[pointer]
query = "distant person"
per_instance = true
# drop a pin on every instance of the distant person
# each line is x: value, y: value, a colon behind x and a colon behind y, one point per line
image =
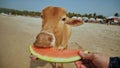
x: 95, y: 60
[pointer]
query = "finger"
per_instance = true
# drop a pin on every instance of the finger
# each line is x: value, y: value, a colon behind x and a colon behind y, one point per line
x: 88, y: 56
x: 79, y: 64
x: 83, y: 66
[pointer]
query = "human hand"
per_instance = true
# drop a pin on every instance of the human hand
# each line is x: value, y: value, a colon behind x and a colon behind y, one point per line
x: 92, y: 60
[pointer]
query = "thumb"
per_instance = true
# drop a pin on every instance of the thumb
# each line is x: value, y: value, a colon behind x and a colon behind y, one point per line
x: 84, y: 55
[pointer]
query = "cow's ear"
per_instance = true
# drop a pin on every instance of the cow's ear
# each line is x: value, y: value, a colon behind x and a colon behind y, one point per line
x: 75, y: 22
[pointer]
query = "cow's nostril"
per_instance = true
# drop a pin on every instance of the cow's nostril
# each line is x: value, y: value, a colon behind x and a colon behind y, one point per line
x: 50, y: 39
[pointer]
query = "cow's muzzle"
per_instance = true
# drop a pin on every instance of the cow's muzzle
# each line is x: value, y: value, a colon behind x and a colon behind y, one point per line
x: 45, y: 39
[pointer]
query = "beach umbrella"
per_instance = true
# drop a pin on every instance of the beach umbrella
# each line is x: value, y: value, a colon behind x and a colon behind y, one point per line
x: 85, y: 18
x: 79, y: 18
x: 110, y: 17
x: 74, y: 17
x: 92, y: 19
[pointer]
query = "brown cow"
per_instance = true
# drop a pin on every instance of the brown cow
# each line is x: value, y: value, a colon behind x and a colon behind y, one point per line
x: 56, y: 28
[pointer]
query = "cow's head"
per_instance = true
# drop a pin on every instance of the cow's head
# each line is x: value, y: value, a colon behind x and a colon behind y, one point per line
x: 53, y: 21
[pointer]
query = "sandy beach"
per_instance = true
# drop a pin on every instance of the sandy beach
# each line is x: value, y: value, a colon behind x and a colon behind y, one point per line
x: 18, y: 32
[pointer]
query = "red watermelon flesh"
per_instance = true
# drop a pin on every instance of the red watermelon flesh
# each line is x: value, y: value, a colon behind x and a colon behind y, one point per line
x: 55, y: 52
x: 55, y: 55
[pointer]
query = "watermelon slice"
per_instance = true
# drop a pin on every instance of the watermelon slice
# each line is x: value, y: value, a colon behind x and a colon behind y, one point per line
x: 55, y: 55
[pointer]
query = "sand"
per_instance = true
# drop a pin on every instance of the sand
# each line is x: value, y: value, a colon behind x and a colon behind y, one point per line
x: 18, y: 32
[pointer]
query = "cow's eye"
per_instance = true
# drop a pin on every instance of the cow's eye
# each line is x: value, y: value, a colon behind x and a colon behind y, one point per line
x: 63, y: 19
x: 41, y: 16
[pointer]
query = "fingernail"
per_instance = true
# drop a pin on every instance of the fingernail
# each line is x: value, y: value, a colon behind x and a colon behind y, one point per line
x: 86, y: 52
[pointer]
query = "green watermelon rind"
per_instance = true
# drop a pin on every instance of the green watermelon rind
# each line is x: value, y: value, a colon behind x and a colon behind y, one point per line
x: 53, y: 59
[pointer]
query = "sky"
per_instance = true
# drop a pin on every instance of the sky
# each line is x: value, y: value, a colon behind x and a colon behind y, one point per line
x: 100, y: 7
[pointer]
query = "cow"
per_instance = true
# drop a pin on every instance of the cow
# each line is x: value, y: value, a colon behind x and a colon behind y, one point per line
x: 56, y: 28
